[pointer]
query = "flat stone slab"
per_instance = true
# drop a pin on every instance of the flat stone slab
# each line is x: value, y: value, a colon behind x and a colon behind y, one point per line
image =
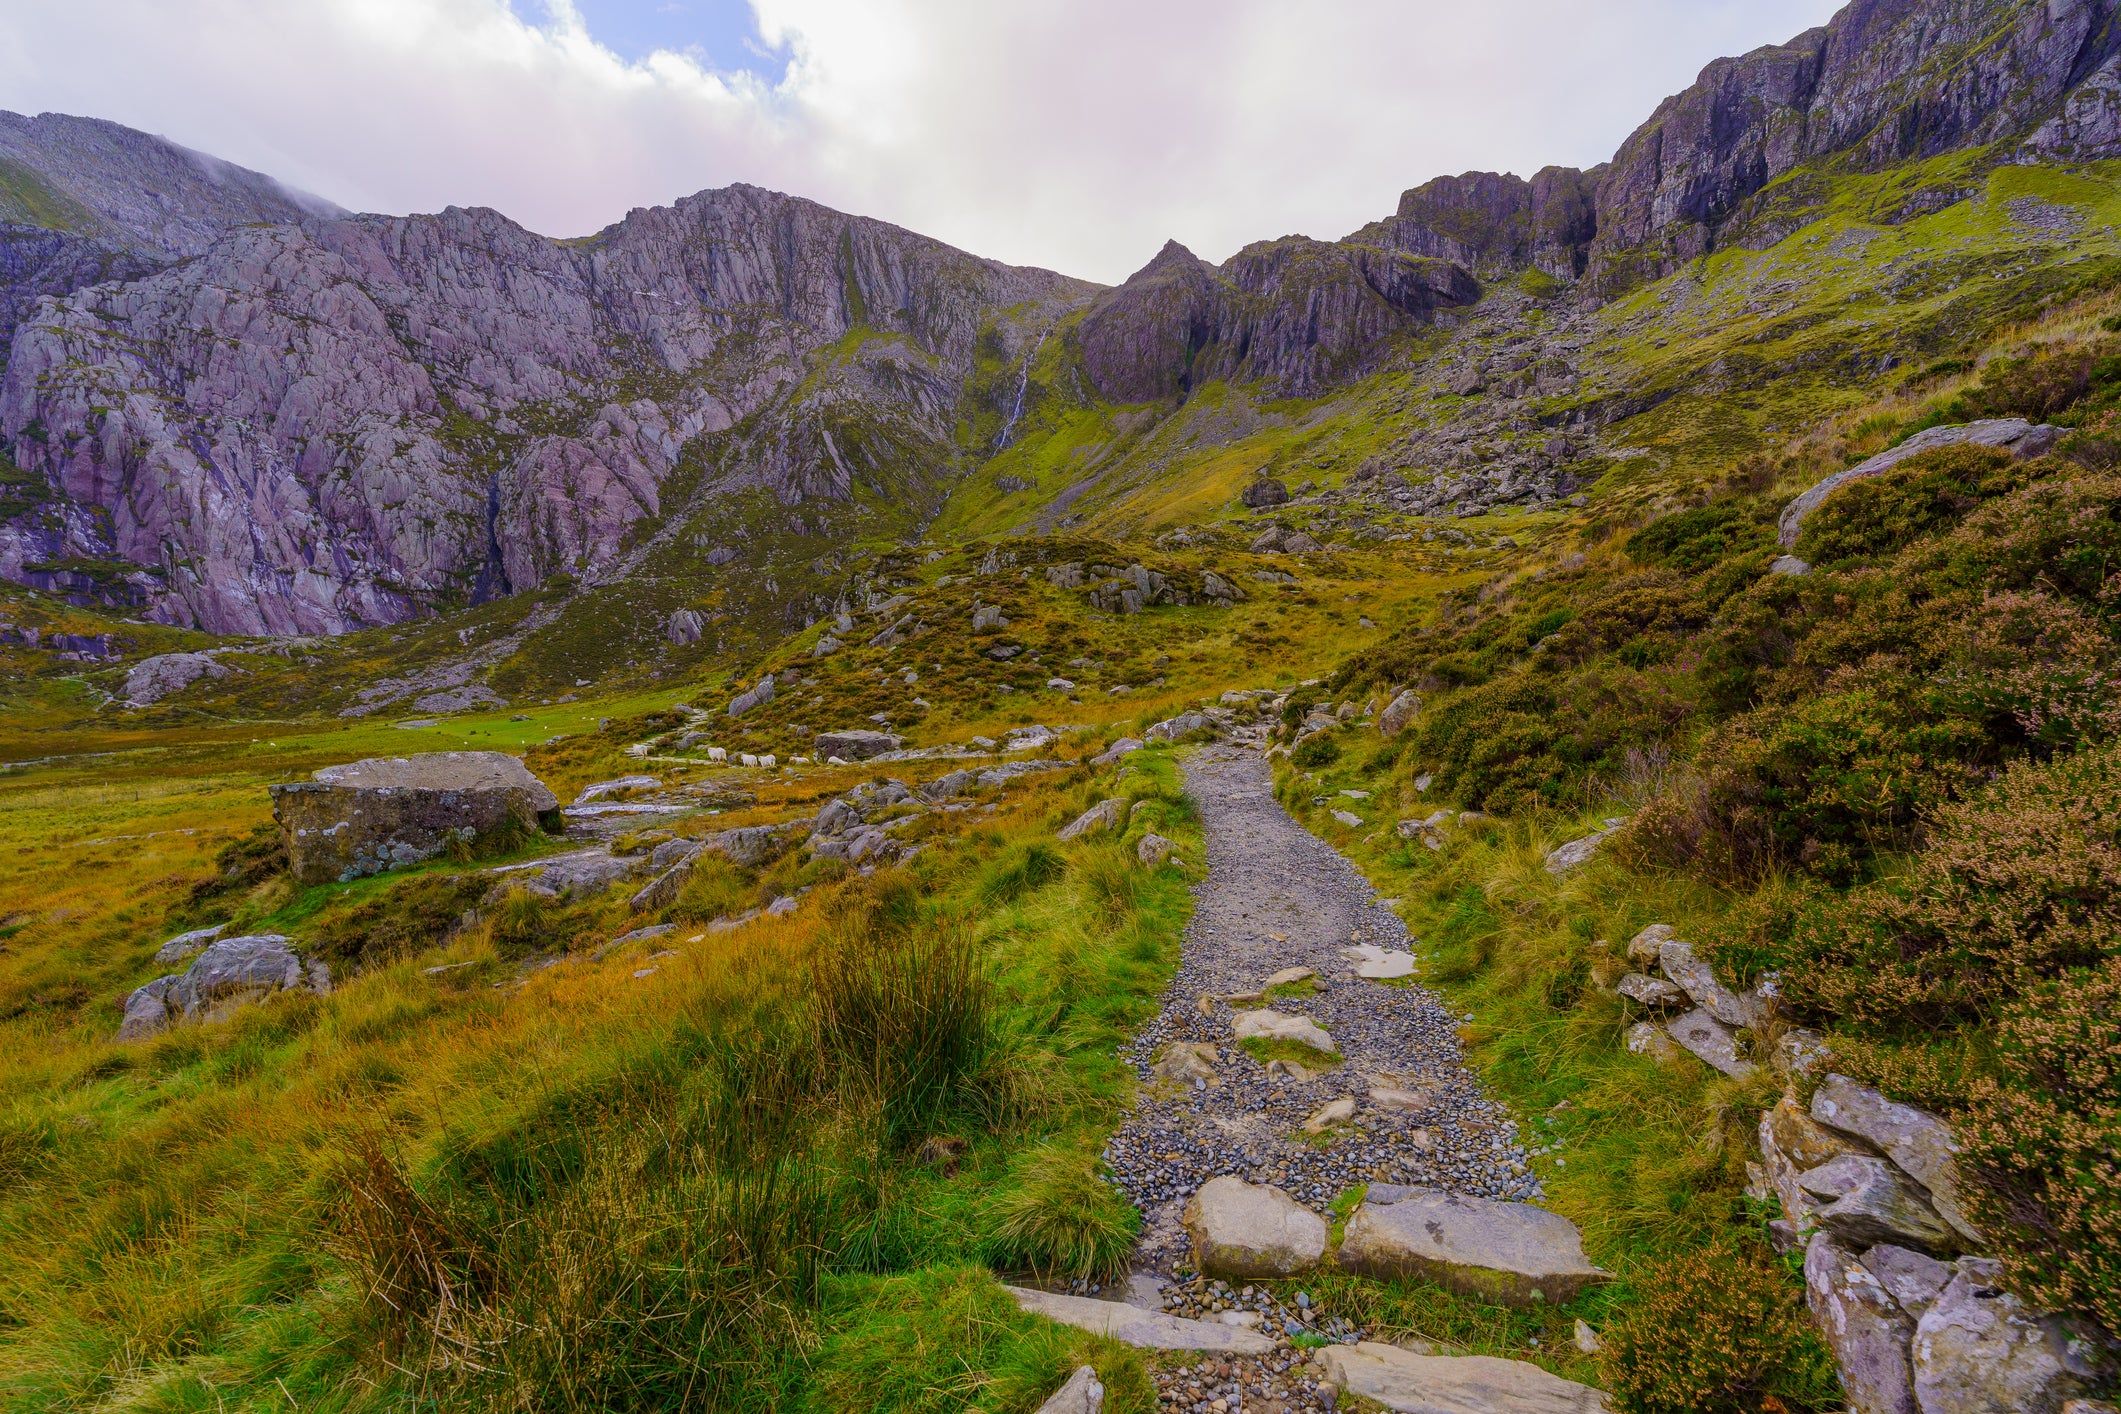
x: 1713, y: 1043
x: 1144, y: 1330
x: 1465, y: 1384
x: 1270, y: 1025
x: 1242, y: 1230
x: 1500, y: 1252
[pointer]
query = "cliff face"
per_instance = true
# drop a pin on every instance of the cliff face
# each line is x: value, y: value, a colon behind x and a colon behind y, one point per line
x: 318, y: 426
x: 1297, y: 314
x: 1886, y: 81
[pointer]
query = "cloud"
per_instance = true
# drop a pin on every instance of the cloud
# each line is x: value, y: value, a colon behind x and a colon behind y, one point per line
x: 1076, y: 134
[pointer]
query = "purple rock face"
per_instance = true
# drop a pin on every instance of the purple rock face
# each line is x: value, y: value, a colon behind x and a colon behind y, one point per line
x: 315, y: 427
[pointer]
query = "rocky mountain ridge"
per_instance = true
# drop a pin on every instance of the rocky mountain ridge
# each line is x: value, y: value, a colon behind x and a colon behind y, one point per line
x: 314, y: 422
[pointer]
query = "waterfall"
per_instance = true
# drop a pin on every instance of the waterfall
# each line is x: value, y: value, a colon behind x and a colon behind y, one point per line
x: 1023, y: 382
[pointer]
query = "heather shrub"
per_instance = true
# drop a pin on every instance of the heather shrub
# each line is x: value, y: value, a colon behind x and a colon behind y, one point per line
x: 2020, y: 884
x: 1927, y: 492
x: 2043, y: 1140
x: 1716, y: 1331
x: 1692, y: 541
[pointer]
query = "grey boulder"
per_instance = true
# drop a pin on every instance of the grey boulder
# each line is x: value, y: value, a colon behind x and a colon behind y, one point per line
x: 1863, y: 1325
x: 1243, y: 1230
x: 1171, y: 729
x: 166, y: 674
x: 1144, y: 1330
x: 1864, y: 1200
x: 1398, y: 712
x: 368, y: 816
x: 1082, y: 1394
x: 857, y: 745
x: 1499, y: 1252
x: 1916, y: 1140
x: 2014, y: 433
x: 1712, y: 1042
x: 1978, y: 1350
x: 231, y: 973
x: 1103, y: 816
x: 185, y: 944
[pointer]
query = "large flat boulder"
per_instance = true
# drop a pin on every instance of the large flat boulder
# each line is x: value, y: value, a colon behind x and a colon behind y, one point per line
x: 1266, y: 1024
x: 1144, y: 1330
x: 1500, y: 1252
x: 1979, y: 1350
x: 855, y: 745
x: 1242, y: 1230
x: 1465, y: 1384
x: 1863, y: 1325
x: 229, y: 974
x: 1864, y: 1200
x: 368, y: 816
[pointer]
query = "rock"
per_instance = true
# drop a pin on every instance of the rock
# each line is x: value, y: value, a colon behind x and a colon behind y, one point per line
x: 1464, y: 1384
x: 1186, y: 1062
x: 1647, y: 1038
x: 1393, y: 1099
x: 988, y: 619
x: 1387, y: 966
x: 1298, y: 543
x: 1865, y: 1200
x: 1575, y: 853
x: 1082, y: 1394
x: 1910, y: 1278
x: 166, y: 674
x: 758, y: 696
x: 1173, y: 728
x: 1144, y: 1330
x: 1265, y: 491
x: 1916, y: 1140
x: 1154, y: 849
x: 1332, y: 1112
x: 1713, y: 1043
x: 1646, y: 948
x: 1267, y: 542
x: 1801, y: 1051
x: 826, y: 646
x: 1863, y: 1326
x: 1242, y: 1230
x: 369, y: 816
x: 1270, y: 1025
x: 185, y: 944
x: 1978, y: 1350
x: 858, y: 745
x: 601, y: 789
x: 1698, y: 980
x: 1103, y: 816
x: 1398, y: 712
x: 1650, y: 991
x: 1348, y: 818
x: 1585, y: 1339
x: 231, y: 973
x: 1124, y: 746
x: 1288, y: 977
x: 1499, y: 1252
x: 584, y: 873
x: 1997, y: 432
x: 1789, y: 565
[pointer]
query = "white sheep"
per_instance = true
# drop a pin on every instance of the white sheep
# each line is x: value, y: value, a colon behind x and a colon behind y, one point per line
x: 769, y: 761
x: 748, y: 759
x: 718, y: 756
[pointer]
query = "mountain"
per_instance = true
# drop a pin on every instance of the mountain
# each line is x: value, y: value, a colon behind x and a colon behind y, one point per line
x: 313, y: 422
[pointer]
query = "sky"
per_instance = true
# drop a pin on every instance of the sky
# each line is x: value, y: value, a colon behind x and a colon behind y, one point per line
x: 1073, y: 134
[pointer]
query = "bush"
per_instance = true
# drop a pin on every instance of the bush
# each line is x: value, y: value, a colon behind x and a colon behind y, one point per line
x: 2020, y: 885
x: 2043, y: 1142
x: 1926, y: 493
x: 416, y: 914
x: 1716, y: 1331
x: 1318, y: 751
x: 243, y: 864
x: 1692, y: 541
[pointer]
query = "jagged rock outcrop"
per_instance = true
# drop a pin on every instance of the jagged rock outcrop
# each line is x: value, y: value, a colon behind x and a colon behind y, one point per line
x: 318, y: 426
x: 132, y: 190
x: 1884, y: 81
x: 1297, y: 313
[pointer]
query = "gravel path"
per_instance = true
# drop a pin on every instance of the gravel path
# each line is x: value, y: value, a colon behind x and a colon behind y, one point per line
x: 1275, y: 897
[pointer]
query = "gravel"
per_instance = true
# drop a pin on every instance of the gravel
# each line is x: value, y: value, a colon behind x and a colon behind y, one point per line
x: 1269, y: 876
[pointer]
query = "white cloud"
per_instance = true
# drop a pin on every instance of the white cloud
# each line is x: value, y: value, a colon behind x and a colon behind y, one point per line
x: 1077, y: 134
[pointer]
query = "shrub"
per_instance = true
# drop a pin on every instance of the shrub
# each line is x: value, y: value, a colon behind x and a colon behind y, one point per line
x: 1692, y: 541
x: 2043, y: 1142
x: 2020, y: 885
x: 1057, y: 1218
x: 1716, y: 1331
x: 417, y: 913
x: 1318, y: 751
x: 244, y: 863
x: 1929, y: 491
